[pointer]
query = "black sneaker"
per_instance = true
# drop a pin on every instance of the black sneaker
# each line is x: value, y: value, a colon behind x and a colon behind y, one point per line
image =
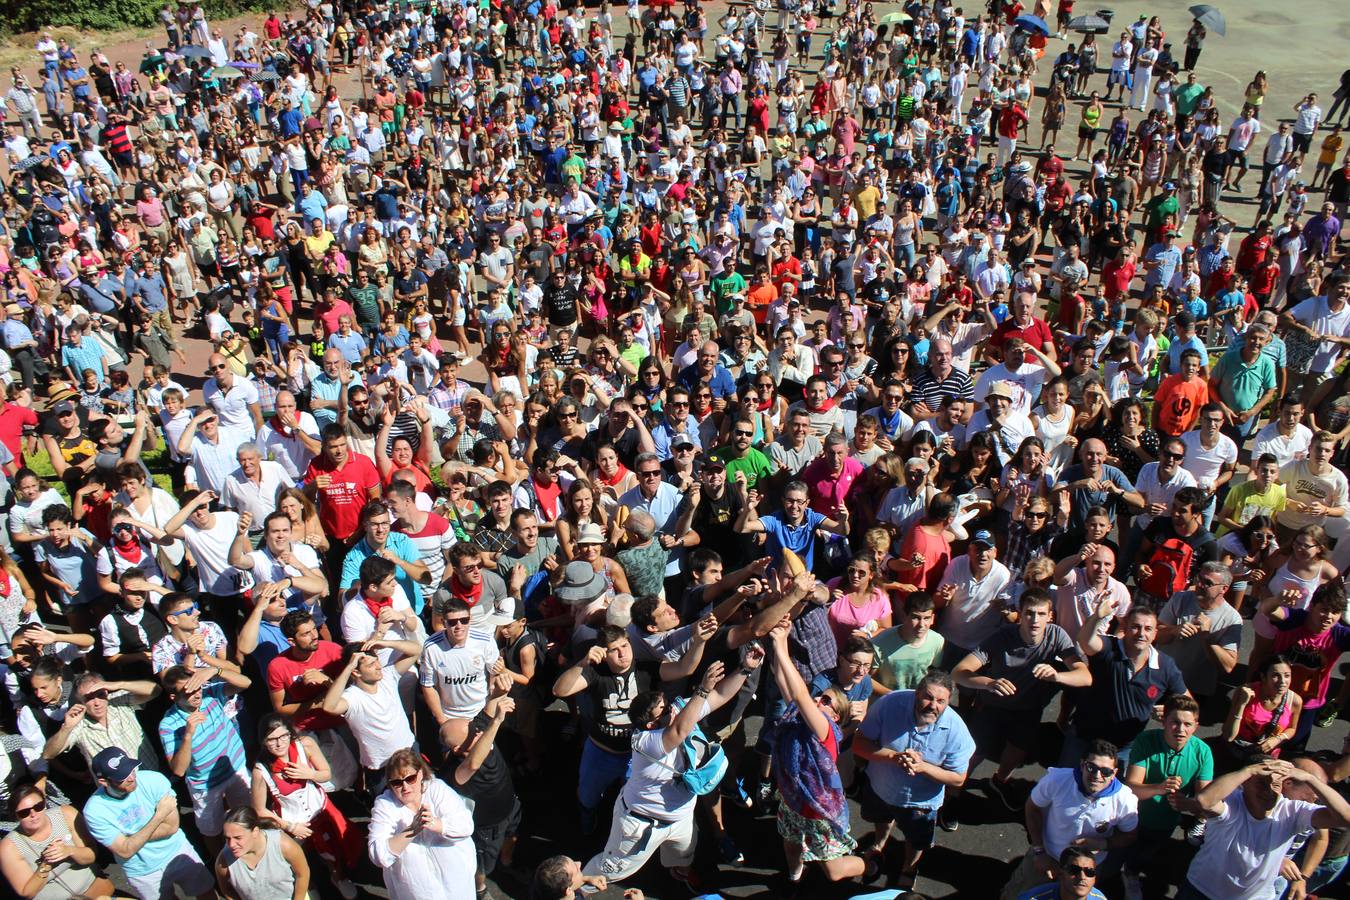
x: 947, y: 819
x: 1005, y: 793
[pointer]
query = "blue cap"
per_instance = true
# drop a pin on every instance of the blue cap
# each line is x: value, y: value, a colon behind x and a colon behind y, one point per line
x: 982, y: 537
x: 114, y: 765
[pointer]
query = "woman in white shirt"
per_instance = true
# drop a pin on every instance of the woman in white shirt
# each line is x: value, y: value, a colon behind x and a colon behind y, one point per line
x: 421, y: 834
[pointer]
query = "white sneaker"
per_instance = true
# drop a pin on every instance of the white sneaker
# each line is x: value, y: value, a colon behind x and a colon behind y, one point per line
x: 795, y: 874
x: 1195, y: 835
x: 1133, y: 889
x: 347, y: 889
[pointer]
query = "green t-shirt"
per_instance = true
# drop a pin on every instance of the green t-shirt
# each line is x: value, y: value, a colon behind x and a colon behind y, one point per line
x: 1186, y: 97
x: 723, y: 286
x: 1247, y: 501
x: 901, y: 666
x: 754, y: 464
x: 1195, y: 762
x: 1240, y: 384
x: 365, y: 303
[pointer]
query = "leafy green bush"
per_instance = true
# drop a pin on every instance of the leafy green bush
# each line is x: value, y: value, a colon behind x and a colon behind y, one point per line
x: 101, y: 15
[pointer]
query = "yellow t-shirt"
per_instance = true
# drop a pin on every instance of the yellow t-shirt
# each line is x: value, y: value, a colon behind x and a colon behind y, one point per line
x: 1331, y: 145
x: 1246, y: 501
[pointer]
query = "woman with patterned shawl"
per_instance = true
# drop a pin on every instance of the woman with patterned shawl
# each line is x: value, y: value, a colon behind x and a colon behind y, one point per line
x: 813, y: 812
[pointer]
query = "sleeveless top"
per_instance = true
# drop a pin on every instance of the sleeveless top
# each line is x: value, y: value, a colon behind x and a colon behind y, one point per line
x: 296, y: 806
x: 273, y: 879
x: 1256, y: 721
x: 68, y: 878
x: 1280, y: 582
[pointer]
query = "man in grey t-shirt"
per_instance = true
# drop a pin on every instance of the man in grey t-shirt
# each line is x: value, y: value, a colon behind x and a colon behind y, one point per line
x: 1201, y: 631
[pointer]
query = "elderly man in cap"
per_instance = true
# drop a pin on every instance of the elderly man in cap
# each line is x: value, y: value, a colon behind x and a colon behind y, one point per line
x: 19, y: 341
x: 135, y: 815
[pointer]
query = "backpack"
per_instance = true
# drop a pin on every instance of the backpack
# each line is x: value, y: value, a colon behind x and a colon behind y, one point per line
x: 1171, y: 568
x: 699, y: 777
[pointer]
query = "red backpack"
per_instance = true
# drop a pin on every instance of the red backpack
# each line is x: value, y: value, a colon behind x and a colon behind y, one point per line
x: 1170, y: 568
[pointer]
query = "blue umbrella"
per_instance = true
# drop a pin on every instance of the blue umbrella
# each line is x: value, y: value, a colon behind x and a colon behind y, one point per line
x: 1032, y: 23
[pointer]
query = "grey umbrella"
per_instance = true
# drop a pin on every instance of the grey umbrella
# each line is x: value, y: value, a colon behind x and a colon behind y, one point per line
x: 192, y: 51
x: 264, y: 75
x: 32, y: 162
x: 1089, y: 24
x: 1210, y: 17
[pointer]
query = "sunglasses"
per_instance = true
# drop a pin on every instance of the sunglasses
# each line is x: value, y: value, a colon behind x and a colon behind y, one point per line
x: 29, y: 810
x: 651, y: 473
x: 1099, y: 771
x: 457, y: 621
x: 1174, y: 455
x: 1030, y: 514
x: 678, y: 403
x: 744, y: 433
x: 1089, y: 871
x: 186, y: 611
x: 100, y: 694
x: 405, y: 780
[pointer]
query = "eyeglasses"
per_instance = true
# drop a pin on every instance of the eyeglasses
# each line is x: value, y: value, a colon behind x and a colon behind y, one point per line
x: 1089, y: 871
x: 101, y: 694
x: 651, y: 473
x: 406, y: 780
x: 678, y: 403
x: 29, y: 810
x: 1036, y: 514
x: 457, y: 622
x: 1171, y: 455
x: 1099, y: 771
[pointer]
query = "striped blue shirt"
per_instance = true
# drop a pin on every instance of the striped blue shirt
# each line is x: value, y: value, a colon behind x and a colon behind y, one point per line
x: 217, y: 751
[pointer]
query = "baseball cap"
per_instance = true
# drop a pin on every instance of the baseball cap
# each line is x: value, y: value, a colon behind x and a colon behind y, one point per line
x: 502, y: 611
x: 982, y: 539
x: 682, y: 440
x: 1001, y: 389
x: 64, y: 406
x: 114, y: 765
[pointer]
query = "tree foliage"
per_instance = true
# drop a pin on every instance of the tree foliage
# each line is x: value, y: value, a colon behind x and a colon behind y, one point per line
x: 101, y: 15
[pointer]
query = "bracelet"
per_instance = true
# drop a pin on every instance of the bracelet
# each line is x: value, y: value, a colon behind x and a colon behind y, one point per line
x: 702, y: 692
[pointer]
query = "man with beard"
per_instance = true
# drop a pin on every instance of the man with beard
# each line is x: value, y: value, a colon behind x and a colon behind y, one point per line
x: 135, y: 815
x: 713, y: 510
x: 741, y: 456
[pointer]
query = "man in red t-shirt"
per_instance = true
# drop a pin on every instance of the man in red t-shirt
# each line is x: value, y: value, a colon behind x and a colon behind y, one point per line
x: 1117, y: 274
x: 341, y: 483
x: 298, y: 679
x: 1010, y: 123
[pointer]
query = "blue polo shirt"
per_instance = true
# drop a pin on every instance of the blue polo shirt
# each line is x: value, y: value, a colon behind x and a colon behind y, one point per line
x: 402, y: 546
x: 1120, y: 701
x: 800, y: 539
x: 946, y: 743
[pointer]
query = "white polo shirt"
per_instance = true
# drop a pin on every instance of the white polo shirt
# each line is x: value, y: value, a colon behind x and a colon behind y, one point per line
x: 1070, y: 814
x: 285, y: 447
x: 244, y: 495
x: 232, y: 406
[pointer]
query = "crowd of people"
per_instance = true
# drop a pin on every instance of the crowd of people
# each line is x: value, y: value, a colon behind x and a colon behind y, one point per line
x: 572, y: 368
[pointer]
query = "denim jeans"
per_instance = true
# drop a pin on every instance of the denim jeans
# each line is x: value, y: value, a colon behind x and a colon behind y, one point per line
x: 600, y: 770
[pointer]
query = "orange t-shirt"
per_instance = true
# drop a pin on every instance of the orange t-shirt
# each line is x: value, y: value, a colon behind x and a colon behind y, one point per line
x: 758, y: 299
x: 1178, y: 403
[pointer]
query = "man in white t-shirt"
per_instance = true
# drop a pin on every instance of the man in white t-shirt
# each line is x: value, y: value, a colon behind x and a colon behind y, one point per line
x: 365, y: 694
x: 655, y: 809
x: 1286, y: 438
x: 1315, y: 489
x: 1253, y: 826
x: 1002, y: 421
x: 1085, y: 806
x: 210, y: 537
x: 1158, y: 483
x: 1211, y: 455
x: 1025, y: 377
x: 279, y: 558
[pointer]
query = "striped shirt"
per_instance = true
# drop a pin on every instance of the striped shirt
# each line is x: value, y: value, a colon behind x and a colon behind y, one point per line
x: 217, y: 751
x: 929, y: 391
x: 431, y: 542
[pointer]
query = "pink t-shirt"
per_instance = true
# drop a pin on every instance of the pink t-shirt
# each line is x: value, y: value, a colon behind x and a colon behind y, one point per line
x: 845, y: 618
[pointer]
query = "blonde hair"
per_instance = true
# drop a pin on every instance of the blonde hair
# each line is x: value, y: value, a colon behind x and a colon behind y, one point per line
x: 1038, y: 571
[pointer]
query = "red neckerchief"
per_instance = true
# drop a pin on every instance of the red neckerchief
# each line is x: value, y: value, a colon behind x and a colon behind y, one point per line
x: 132, y: 553
x: 278, y: 427
x: 470, y: 594
x: 377, y: 606
x: 618, y: 476
x: 278, y: 768
x: 824, y: 407
x: 548, y: 511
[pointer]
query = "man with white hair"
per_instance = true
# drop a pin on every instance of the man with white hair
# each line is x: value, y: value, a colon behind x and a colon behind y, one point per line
x: 253, y: 487
x: 290, y: 437
x: 940, y: 379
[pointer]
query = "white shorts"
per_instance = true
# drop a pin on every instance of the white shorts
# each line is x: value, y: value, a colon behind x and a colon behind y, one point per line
x: 186, y: 870
x: 210, y: 806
